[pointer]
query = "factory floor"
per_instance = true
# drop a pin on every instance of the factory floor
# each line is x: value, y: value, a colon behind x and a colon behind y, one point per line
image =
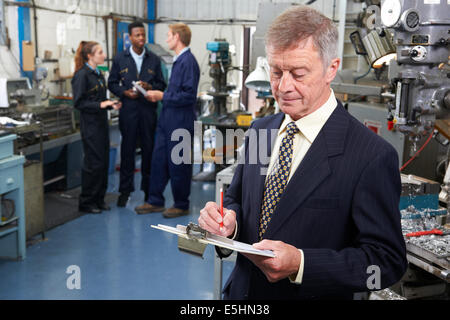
x: 118, y: 254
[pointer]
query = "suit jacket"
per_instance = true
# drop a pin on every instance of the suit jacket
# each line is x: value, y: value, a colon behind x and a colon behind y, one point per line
x: 341, y: 207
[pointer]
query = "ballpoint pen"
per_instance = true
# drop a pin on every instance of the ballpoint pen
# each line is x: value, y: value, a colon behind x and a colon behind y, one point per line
x: 221, y: 207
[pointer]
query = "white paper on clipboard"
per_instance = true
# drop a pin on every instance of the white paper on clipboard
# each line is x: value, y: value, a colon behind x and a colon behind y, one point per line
x: 216, y: 240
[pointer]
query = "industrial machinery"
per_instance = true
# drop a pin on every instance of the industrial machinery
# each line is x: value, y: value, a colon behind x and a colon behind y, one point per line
x: 221, y: 90
x: 412, y: 72
x: 412, y: 85
x: 219, y: 63
x: 407, y: 102
x: 420, y: 73
x: 29, y: 118
x: 216, y: 114
x: 44, y: 133
x: 20, y: 94
x: 421, y: 79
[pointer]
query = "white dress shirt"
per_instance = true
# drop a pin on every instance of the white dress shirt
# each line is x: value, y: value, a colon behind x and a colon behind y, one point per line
x: 309, y: 127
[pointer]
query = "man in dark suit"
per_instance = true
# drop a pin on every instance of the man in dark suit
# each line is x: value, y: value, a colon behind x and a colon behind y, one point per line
x: 327, y: 201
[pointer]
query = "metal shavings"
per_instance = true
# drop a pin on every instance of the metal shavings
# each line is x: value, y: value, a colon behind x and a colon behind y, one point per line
x: 438, y: 245
x: 386, y: 294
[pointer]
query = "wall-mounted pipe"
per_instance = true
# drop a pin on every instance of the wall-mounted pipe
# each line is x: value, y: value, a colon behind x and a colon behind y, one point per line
x: 151, y: 15
x: 36, y: 47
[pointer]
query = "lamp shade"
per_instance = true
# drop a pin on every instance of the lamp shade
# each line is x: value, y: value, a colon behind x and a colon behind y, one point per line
x: 380, y: 49
x: 259, y: 79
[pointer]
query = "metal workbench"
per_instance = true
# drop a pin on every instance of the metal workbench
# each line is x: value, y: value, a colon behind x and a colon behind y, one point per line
x: 438, y: 265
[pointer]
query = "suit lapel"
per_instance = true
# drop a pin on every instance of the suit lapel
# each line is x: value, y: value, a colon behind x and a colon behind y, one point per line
x: 313, y: 169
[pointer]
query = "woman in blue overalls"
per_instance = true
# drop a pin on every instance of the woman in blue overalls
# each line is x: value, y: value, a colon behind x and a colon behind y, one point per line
x: 89, y: 97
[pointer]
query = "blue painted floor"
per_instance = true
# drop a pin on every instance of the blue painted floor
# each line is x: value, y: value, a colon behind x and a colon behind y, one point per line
x: 119, y: 256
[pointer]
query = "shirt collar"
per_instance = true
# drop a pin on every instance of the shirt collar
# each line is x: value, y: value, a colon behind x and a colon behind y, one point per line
x: 90, y: 67
x: 311, y: 124
x: 141, y: 56
x: 181, y: 52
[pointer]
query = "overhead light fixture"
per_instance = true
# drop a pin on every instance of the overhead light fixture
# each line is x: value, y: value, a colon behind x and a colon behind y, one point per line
x: 259, y: 79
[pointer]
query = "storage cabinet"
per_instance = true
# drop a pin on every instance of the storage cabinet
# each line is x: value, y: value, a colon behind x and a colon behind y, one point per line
x: 12, y: 213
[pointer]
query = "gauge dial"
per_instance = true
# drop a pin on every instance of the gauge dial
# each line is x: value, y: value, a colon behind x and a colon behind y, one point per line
x: 390, y: 12
x: 412, y: 19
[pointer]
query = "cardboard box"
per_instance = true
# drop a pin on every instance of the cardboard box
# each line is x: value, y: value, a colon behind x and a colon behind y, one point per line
x: 27, y: 56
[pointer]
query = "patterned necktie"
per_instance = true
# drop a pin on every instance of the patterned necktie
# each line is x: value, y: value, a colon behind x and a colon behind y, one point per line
x: 278, y: 179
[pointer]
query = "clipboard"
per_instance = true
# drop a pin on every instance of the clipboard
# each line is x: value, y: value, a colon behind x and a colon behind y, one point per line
x: 194, y: 234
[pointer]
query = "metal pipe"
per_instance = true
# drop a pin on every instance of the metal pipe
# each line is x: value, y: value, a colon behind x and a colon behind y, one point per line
x: 122, y: 16
x: 36, y: 47
x: 133, y: 18
x: 341, y: 28
x: 105, y: 20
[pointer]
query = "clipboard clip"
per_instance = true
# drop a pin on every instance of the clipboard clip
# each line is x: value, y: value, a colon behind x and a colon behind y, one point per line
x: 194, y: 231
x: 191, y: 245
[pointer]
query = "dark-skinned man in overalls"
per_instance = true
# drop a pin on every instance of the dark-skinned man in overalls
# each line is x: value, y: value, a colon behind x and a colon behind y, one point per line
x: 137, y: 118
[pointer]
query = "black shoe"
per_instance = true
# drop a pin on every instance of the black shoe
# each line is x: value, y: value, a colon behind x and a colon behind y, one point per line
x: 104, y: 207
x: 89, y: 209
x: 123, y: 199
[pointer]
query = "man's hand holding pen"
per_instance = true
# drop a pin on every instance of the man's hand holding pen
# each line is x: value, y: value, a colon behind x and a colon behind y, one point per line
x: 211, y: 219
x: 287, y: 258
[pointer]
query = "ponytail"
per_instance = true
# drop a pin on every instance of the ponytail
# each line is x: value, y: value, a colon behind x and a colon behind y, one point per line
x: 81, y: 56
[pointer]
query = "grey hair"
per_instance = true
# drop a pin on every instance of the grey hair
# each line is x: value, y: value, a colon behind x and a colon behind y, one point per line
x: 299, y: 23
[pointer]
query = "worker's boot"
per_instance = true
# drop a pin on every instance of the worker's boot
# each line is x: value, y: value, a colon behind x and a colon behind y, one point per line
x: 148, y: 208
x: 89, y: 209
x: 103, y: 206
x: 123, y: 199
x: 175, y: 212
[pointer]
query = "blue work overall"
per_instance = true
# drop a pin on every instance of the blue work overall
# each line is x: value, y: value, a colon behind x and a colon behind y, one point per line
x: 178, y: 113
x: 137, y: 118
